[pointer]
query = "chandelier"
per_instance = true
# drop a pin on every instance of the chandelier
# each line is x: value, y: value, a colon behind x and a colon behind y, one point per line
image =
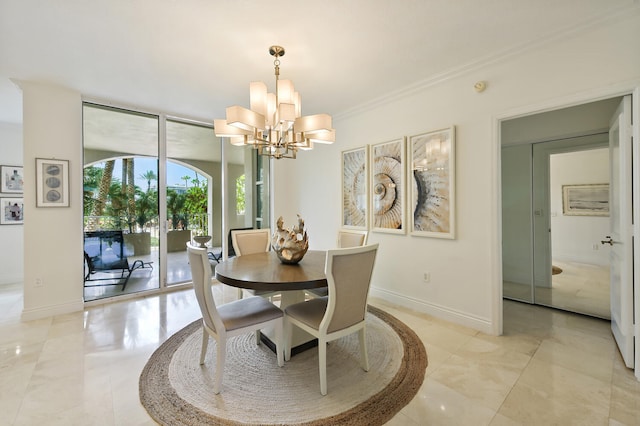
x: 274, y: 125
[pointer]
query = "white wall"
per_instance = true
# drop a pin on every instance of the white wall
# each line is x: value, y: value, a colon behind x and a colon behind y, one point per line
x: 52, y: 126
x: 466, y: 272
x: 573, y: 237
x: 11, y: 236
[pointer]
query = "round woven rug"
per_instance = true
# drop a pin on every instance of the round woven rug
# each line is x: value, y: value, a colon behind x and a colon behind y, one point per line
x: 176, y: 390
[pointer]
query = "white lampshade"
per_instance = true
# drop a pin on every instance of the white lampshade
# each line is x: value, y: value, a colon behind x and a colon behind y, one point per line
x: 271, y: 109
x: 322, y: 137
x: 244, y: 118
x: 258, y: 97
x: 222, y: 129
x: 285, y: 92
x: 313, y: 123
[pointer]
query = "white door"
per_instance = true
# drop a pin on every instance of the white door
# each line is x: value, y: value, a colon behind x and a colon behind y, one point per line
x: 621, y: 228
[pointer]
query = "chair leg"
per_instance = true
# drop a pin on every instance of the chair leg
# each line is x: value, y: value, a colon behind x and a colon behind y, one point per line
x: 322, y: 360
x: 239, y: 293
x: 288, y: 331
x: 205, y: 343
x: 364, y: 356
x: 221, y: 353
x: 258, y: 340
x: 279, y: 340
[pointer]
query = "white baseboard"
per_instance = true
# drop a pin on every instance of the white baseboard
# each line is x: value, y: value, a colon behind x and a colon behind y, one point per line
x: 11, y: 279
x: 49, y: 311
x: 477, y: 323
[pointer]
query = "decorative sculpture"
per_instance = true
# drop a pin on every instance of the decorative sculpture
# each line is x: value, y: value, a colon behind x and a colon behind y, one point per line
x: 290, y: 245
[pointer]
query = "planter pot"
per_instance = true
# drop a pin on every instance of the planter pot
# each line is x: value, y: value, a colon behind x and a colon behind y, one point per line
x: 177, y: 240
x: 138, y: 244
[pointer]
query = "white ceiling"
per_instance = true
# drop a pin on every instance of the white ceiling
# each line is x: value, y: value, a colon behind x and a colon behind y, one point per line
x: 195, y: 57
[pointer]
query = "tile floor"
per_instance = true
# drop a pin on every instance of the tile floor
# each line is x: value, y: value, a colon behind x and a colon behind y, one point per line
x: 550, y: 367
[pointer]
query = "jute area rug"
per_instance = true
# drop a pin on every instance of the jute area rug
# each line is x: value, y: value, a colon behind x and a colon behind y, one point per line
x: 176, y: 390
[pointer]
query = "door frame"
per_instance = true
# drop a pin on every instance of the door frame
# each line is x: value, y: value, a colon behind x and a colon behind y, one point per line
x: 629, y: 88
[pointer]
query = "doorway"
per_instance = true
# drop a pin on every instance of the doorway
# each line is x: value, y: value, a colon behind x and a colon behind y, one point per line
x: 549, y: 257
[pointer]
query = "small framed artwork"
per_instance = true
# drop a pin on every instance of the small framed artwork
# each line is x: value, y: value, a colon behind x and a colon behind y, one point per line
x: 432, y: 183
x: 12, y: 211
x: 11, y: 179
x: 355, y: 188
x: 52, y: 183
x: 387, y: 185
x: 585, y: 200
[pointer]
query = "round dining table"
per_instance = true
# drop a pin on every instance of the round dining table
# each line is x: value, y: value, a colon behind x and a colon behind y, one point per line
x: 264, y: 271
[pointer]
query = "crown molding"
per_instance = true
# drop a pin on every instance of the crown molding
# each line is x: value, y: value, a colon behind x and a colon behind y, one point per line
x: 616, y: 15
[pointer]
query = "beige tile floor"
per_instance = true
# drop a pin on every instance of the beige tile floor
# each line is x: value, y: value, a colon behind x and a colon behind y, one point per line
x: 550, y: 367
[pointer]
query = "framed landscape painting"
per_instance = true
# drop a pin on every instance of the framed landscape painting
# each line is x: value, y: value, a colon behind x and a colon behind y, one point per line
x: 585, y: 200
x: 432, y: 183
x: 387, y: 185
x: 355, y: 188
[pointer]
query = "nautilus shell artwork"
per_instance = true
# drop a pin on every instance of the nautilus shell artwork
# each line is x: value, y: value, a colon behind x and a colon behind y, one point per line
x: 292, y: 244
x: 354, y: 188
x: 432, y: 182
x: 387, y: 185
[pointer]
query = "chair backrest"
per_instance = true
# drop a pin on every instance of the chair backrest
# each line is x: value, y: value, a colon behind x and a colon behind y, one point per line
x: 230, y: 251
x: 201, y: 275
x: 352, y: 238
x: 251, y: 241
x: 348, y: 272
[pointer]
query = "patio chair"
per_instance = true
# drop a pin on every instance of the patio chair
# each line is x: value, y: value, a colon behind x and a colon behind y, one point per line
x: 104, y: 253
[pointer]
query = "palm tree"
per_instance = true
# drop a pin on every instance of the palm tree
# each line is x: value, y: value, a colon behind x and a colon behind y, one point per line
x: 149, y: 175
x: 103, y: 193
x: 186, y: 180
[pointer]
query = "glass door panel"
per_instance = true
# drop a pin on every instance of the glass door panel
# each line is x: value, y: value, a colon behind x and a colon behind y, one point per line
x: 193, y: 194
x: 120, y: 202
x: 247, y: 202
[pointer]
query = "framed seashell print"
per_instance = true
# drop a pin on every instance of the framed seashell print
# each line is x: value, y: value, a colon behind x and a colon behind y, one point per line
x: 355, y: 200
x: 52, y: 183
x: 388, y: 187
x: 432, y: 183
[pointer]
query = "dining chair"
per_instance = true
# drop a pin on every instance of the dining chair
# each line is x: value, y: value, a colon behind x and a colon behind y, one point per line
x: 229, y: 319
x: 346, y: 238
x: 250, y: 241
x: 352, y: 238
x: 342, y: 312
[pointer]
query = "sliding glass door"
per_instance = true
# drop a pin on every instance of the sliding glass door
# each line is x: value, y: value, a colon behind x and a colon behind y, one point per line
x: 121, y: 238
x: 153, y: 183
x: 193, y: 194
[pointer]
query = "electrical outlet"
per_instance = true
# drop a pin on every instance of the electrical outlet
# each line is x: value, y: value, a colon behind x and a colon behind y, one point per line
x: 594, y: 246
x: 38, y: 282
x: 426, y: 277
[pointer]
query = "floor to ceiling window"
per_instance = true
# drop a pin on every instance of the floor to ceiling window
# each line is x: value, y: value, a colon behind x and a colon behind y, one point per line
x: 151, y: 184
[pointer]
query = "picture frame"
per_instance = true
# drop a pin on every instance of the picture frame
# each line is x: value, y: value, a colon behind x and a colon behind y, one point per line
x: 355, y: 188
x: 585, y: 200
x: 387, y: 185
x: 11, y: 179
x: 11, y: 211
x: 52, y: 183
x: 431, y: 180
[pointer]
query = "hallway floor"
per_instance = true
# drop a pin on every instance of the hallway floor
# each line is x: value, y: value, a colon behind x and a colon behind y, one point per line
x: 550, y: 367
